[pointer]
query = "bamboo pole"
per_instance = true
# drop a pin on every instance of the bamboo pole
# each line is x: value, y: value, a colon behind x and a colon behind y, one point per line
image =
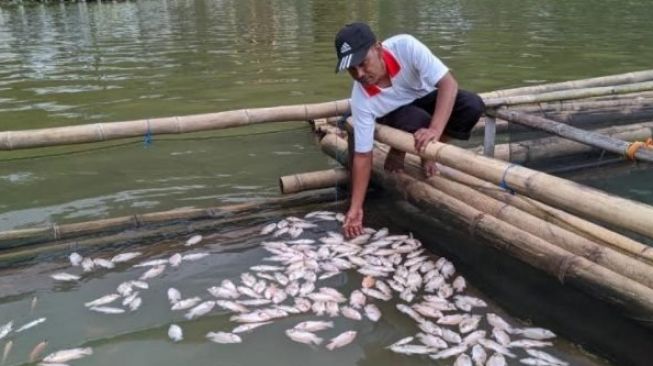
x: 568, y: 94
x: 507, y: 238
x: 313, y: 180
x: 12, y: 140
x: 587, y: 137
x: 567, y: 195
x: 631, y: 77
x: 20, y: 237
x: 552, y: 147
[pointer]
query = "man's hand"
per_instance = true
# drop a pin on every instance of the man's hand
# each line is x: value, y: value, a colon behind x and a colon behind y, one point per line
x: 423, y: 136
x: 429, y: 167
x: 353, y: 225
x: 394, y: 161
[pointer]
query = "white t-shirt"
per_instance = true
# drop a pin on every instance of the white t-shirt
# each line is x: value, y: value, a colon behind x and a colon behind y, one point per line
x: 414, y: 71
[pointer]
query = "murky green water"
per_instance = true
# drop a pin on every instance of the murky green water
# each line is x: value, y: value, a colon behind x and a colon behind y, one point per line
x: 63, y: 64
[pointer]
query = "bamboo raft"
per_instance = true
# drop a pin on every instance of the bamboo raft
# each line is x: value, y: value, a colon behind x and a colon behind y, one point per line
x: 594, y: 241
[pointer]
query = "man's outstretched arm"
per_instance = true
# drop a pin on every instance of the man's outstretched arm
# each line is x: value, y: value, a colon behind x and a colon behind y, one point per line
x: 360, y: 176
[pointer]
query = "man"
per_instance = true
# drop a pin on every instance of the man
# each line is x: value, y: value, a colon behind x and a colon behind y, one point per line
x: 399, y: 83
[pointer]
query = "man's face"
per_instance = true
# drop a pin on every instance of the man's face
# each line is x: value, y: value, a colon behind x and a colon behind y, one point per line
x: 372, y: 69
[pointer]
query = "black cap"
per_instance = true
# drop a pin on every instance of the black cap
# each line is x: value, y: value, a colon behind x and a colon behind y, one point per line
x: 352, y: 43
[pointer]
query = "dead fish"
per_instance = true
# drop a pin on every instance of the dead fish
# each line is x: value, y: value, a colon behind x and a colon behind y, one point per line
x: 266, y: 268
x: 248, y: 279
x: 474, y: 337
x: 66, y: 355
x: 186, y: 303
x: 469, y: 323
x: 412, y: 349
x: 372, y: 312
x: 498, y: 322
x: 33, y: 304
x: 63, y: 276
x: 223, y: 293
x: 350, y: 313
x: 199, y: 310
x: 223, y: 337
x: 6, y: 351
x: 449, y: 352
x: 104, y: 263
x: 30, y: 325
x: 502, y: 337
x: 313, y: 325
x: 151, y: 263
x: 254, y: 302
x: 130, y: 299
x: 546, y: 357
x: 496, y: 359
x: 135, y: 304
x: 463, y: 360
x: 479, y: 356
x: 249, y: 327
x: 376, y: 294
x: 432, y: 341
x: 5, y: 329
x: 536, y: 362
x: 341, y: 340
x: 496, y: 347
x: 195, y: 239
x: 125, y: 257
x: 303, y: 337
x: 252, y: 317
x: 450, y: 336
x: 268, y: 228
x: 153, y: 272
x: 194, y: 256
x: 459, y: 284
x: 175, y: 260
x: 125, y: 288
x: 536, y: 333
x: 430, y: 312
x: 37, y: 350
x: 104, y: 300
x: 75, y: 259
x: 528, y: 343
x: 175, y: 333
x: 357, y: 299
x: 107, y: 310
x: 248, y: 292
x: 173, y: 295
x: 140, y: 284
x: 232, y: 306
x: 87, y: 264
x: 402, y: 341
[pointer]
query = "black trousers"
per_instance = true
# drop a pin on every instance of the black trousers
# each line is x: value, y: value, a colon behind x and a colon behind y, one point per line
x: 467, y: 109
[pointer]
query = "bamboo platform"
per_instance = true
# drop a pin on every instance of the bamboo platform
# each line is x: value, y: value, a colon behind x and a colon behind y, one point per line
x: 595, y: 241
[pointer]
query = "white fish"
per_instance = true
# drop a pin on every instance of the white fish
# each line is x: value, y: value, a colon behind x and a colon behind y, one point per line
x: 233, y: 306
x: 412, y: 349
x: 266, y: 268
x: 313, y: 325
x: 402, y: 341
x: 254, y: 302
x: 63, y: 276
x: 129, y: 299
x: 107, y: 310
x: 175, y: 333
x: 546, y: 357
x: 502, y: 337
x: 496, y: 347
x: 125, y: 288
x: 341, y: 340
x: 303, y: 337
x: 496, y: 359
x: 140, y: 284
x: 498, y: 322
x: 5, y: 329
x: 357, y: 299
x: 528, y: 343
x: 104, y: 263
x: 474, y: 337
x: 153, y: 272
x: 135, y: 304
x: 253, y: 317
x: 33, y: 304
x: 432, y: 341
x: 75, y: 259
x: 125, y: 257
x: 37, y: 350
x: 532, y: 361
x: 66, y: 355
x: 5, y: 352
x: 152, y: 263
x: 449, y: 352
x: 175, y: 260
x: 199, y: 310
x: 450, y: 336
x: 107, y: 299
x: 372, y: 312
x: 223, y: 337
x: 30, y: 325
x: 248, y: 279
x: 195, y: 239
x: 223, y: 293
x: 351, y: 313
x: 186, y: 303
x: 268, y: 228
x: 459, y: 284
x: 463, y: 360
x: 87, y: 264
x: 469, y: 324
x: 536, y: 333
x: 174, y: 295
x: 248, y: 327
x: 332, y: 309
x: 479, y: 356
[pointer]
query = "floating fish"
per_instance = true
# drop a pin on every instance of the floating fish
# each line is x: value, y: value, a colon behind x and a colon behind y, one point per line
x: 125, y: 257
x: 496, y: 359
x: 194, y: 256
x: 152, y: 263
x: 107, y: 310
x: 104, y: 300
x: 267, y: 229
x: 193, y: 240
x: 5, y: 352
x: 199, y: 310
x: 63, y: 276
x: 32, y: 306
x: 249, y: 327
x: 64, y: 356
x: 30, y: 325
x: 175, y: 333
x: 173, y: 295
x: 536, y: 333
x: 341, y: 340
x: 6, y: 329
x: 153, y: 272
x: 313, y: 325
x: 37, y: 350
x: 546, y: 357
x: 449, y: 352
x: 175, y: 260
x: 303, y: 337
x: 186, y: 303
x: 103, y: 263
x: 463, y: 360
x: 88, y: 264
x: 75, y: 259
x: 223, y: 337
x: 372, y: 312
x: 413, y: 349
x: 479, y: 356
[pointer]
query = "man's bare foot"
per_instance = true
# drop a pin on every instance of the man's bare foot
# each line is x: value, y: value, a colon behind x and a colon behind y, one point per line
x: 429, y: 167
x: 394, y: 161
